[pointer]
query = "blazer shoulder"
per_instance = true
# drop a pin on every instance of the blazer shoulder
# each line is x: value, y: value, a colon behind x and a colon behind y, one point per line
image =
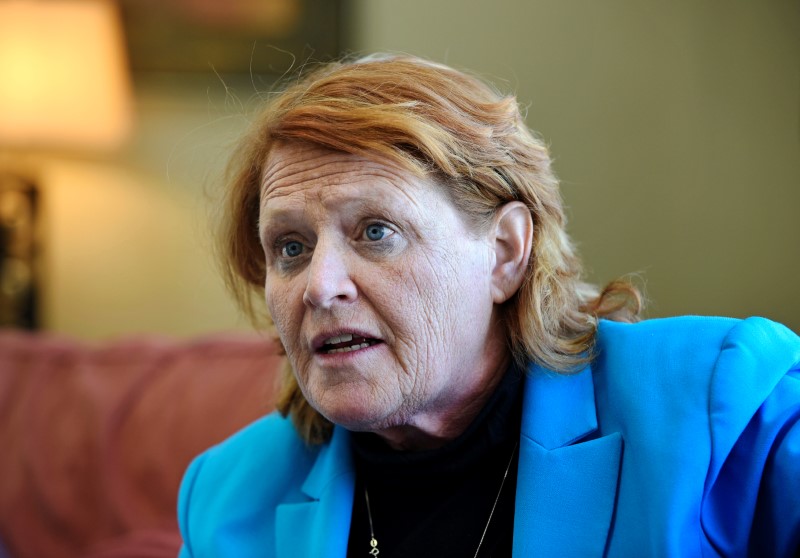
x: 667, y: 353
x: 722, y: 368
x: 676, y: 331
x: 242, y: 480
x: 696, y: 344
x: 257, y: 440
x: 268, y: 445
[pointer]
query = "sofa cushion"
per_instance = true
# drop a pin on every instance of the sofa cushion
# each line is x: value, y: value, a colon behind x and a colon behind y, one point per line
x: 95, y: 437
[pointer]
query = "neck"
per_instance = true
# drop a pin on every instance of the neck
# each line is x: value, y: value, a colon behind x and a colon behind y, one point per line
x: 432, y: 430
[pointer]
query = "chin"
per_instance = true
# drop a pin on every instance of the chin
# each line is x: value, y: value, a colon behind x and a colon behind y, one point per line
x: 354, y: 415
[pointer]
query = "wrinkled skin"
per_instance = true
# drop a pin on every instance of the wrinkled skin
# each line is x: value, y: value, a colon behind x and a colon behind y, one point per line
x: 363, y: 247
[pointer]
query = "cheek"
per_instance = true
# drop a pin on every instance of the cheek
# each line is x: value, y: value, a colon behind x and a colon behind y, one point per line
x: 286, y: 312
x: 431, y: 299
x: 450, y: 280
x: 282, y: 305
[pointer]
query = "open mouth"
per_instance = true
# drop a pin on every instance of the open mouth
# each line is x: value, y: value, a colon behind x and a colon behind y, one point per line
x: 346, y: 343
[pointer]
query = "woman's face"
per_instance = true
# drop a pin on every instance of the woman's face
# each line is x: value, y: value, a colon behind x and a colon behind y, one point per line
x: 379, y: 290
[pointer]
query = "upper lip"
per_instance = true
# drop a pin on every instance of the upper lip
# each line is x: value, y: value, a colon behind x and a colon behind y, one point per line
x: 319, y: 340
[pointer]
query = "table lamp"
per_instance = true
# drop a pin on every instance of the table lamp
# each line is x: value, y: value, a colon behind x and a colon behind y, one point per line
x: 64, y: 87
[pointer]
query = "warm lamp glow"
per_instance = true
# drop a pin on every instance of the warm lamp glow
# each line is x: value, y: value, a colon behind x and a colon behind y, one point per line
x: 63, y: 75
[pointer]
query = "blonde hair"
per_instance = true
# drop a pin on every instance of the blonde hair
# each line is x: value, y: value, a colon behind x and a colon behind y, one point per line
x: 433, y: 121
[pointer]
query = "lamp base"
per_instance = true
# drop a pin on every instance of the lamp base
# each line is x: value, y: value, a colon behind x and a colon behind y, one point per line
x: 19, y: 247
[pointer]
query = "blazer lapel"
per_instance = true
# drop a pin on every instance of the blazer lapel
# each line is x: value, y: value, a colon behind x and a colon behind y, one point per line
x: 320, y: 526
x: 566, y: 487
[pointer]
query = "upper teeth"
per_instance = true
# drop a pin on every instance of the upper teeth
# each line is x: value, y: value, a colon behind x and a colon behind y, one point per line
x: 339, y: 339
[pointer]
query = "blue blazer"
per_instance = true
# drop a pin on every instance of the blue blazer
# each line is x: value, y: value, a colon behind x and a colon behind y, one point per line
x: 681, y: 439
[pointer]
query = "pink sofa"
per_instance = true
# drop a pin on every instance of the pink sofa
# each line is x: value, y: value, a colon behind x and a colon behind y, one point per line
x: 94, y: 438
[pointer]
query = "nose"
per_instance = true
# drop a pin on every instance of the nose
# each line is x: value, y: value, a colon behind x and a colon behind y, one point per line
x: 329, y: 278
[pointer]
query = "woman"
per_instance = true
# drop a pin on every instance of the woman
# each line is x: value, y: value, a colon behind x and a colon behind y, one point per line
x: 454, y: 388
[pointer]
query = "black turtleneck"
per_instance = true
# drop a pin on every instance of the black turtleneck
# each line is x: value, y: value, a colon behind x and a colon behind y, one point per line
x: 437, y: 502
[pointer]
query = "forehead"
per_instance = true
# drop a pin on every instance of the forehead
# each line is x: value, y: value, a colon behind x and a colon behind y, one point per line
x: 296, y: 174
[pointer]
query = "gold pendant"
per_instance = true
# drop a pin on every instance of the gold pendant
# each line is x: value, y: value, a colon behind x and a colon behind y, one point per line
x: 374, y: 544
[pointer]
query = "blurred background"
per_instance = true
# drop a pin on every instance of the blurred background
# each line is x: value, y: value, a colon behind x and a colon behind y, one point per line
x: 675, y: 128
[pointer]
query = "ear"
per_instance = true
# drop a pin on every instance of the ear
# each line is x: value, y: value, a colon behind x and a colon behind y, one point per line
x: 512, y: 236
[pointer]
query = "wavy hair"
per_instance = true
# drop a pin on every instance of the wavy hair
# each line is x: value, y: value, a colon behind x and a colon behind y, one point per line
x: 441, y: 123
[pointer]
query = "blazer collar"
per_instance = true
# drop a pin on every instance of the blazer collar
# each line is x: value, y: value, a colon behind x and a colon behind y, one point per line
x: 334, y: 460
x: 566, y: 484
x: 558, y: 409
x: 320, y: 526
x: 567, y: 478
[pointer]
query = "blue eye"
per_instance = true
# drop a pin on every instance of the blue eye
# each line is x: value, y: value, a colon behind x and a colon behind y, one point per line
x: 376, y: 231
x: 292, y: 249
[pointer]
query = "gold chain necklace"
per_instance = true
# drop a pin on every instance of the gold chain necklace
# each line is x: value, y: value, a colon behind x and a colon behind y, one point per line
x: 373, y: 542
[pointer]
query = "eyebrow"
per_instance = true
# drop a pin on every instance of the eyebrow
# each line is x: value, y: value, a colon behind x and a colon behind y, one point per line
x: 381, y: 207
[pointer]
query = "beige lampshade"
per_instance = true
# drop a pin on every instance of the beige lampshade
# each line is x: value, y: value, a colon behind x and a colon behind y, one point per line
x: 63, y: 75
